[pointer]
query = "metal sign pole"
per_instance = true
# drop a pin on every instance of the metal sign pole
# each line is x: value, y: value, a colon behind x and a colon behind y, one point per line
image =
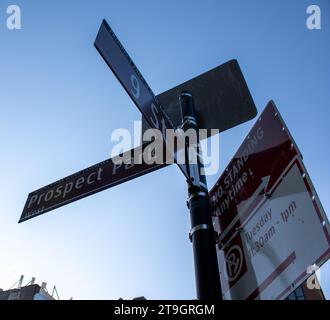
x: 202, y: 234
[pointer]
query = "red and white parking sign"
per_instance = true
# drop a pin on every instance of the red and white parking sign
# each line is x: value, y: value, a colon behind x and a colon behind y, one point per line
x: 271, y: 223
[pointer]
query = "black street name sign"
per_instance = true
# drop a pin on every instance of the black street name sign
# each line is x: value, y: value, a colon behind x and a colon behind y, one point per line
x: 221, y: 97
x: 118, y: 60
x: 89, y: 181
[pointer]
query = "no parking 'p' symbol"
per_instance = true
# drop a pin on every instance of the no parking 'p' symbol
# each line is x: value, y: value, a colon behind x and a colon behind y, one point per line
x: 234, y: 262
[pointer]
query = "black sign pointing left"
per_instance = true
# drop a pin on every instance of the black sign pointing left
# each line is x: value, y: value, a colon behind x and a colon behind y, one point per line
x: 86, y: 182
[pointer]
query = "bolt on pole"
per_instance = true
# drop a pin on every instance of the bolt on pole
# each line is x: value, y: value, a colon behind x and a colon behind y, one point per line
x: 207, y: 276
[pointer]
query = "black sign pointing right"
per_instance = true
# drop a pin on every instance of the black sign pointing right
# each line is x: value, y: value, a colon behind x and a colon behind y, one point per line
x: 118, y: 60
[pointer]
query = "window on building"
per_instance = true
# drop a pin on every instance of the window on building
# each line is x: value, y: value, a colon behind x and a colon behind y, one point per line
x: 298, y: 294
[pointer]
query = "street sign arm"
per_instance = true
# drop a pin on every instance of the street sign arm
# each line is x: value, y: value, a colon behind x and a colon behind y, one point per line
x: 104, y: 175
x: 133, y: 82
x: 122, y: 66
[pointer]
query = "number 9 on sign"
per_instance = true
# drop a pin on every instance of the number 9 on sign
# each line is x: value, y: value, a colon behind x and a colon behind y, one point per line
x: 136, y: 87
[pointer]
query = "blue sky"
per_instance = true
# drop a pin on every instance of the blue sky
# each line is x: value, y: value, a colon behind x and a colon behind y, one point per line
x: 60, y: 104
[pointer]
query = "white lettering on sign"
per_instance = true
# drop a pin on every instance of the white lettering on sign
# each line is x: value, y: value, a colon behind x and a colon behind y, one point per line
x: 135, y: 87
x: 154, y: 119
x: 235, y: 179
x: 64, y: 191
x: 158, y: 119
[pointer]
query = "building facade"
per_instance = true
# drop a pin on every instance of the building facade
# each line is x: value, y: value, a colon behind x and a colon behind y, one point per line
x: 32, y: 292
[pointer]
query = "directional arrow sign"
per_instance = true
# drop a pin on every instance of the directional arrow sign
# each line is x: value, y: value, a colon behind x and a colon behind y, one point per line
x: 133, y: 82
x: 271, y: 225
x: 89, y: 181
